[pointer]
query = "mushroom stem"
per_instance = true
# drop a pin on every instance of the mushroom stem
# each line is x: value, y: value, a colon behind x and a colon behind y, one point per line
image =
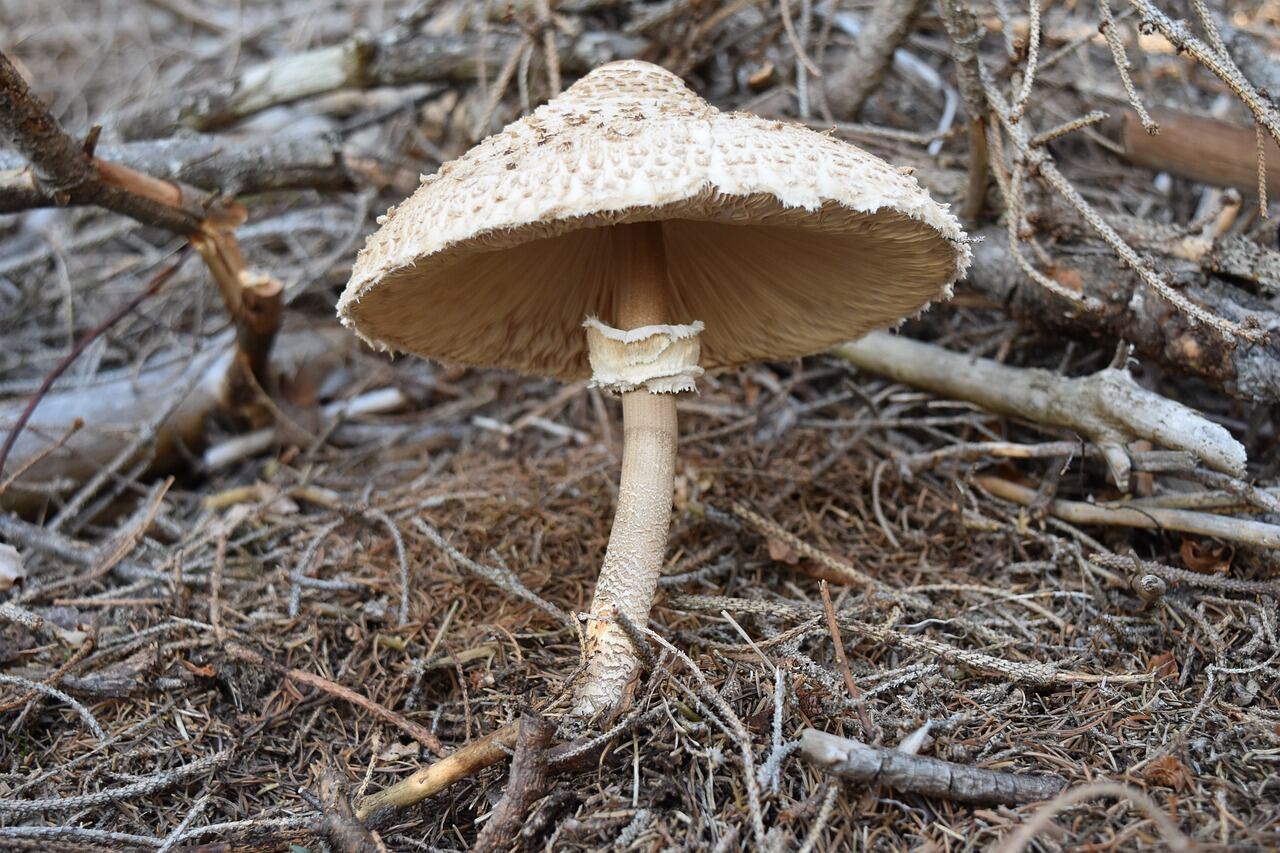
x: 638, y: 541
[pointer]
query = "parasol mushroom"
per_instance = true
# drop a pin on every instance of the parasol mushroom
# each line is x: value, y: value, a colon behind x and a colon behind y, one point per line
x: 683, y: 239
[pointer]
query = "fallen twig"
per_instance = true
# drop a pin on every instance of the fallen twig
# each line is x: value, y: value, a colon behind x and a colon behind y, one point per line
x: 525, y: 785
x: 489, y: 750
x: 1186, y: 577
x: 419, y: 733
x: 1150, y: 518
x: 459, y: 764
x: 858, y: 762
x: 846, y: 572
x: 1108, y: 407
x: 855, y: 695
x: 1023, y: 672
x: 157, y: 782
x: 212, y: 163
x: 397, y: 59
x: 887, y: 24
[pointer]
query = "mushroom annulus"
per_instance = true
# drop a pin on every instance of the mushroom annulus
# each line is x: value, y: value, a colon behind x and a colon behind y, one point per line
x: 630, y: 233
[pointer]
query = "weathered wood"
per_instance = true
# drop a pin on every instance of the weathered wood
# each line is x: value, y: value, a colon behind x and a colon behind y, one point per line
x: 359, y: 63
x: 216, y: 164
x: 857, y: 762
x: 1159, y: 332
x: 864, y: 69
x: 119, y: 409
x: 1107, y: 407
x: 526, y: 784
x: 1200, y: 149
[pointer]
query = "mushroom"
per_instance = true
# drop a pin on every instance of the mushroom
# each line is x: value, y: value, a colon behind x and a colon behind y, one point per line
x: 684, y: 239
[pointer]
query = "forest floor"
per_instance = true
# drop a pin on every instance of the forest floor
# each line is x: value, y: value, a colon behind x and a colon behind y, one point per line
x: 232, y: 648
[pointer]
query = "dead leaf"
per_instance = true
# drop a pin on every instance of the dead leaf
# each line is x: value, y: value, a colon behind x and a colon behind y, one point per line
x: 761, y: 77
x: 11, y: 569
x: 1168, y: 772
x: 1068, y: 277
x: 1206, y: 556
x: 206, y: 671
x: 397, y: 751
x: 782, y: 552
x: 1164, y: 666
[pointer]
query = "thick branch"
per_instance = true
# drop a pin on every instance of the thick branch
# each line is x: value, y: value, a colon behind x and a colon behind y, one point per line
x: 163, y: 410
x: 72, y: 175
x: 66, y: 173
x: 1108, y: 407
x: 1160, y: 332
x: 1200, y: 149
x: 855, y: 761
x: 864, y: 70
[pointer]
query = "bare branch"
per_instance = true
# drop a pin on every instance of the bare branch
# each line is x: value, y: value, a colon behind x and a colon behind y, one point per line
x: 855, y: 761
x: 358, y: 63
x: 885, y: 27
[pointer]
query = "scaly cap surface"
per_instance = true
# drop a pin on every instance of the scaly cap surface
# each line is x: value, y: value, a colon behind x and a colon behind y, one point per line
x: 781, y: 240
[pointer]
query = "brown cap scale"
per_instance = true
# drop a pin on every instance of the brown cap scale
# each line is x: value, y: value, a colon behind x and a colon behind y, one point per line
x: 707, y: 239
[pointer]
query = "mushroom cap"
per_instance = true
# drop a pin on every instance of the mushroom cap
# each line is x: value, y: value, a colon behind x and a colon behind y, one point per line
x: 781, y: 240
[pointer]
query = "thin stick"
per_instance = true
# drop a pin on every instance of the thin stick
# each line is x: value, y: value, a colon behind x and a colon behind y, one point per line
x: 847, y: 572
x: 418, y: 732
x: 401, y: 556
x: 1033, y: 58
x: 463, y: 762
x: 153, y: 287
x: 151, y: 784
x: 864, y: 716
x: 49, y: 690
x: 1112, y: 34
x: 797, y: 46
x: 36, y: 458
x: 1149, y: 518
x: 1026, y: 833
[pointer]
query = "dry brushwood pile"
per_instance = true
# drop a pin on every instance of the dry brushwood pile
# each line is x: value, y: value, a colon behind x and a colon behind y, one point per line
x: 1008, y: 579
